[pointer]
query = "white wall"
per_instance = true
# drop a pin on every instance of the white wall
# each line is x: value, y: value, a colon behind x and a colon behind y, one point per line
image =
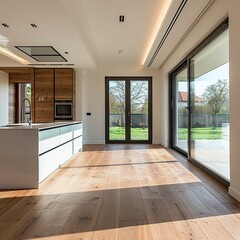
x: 216, y: 13
x: 93, y: 100
x: 234, y: 99
x: 3, y: 98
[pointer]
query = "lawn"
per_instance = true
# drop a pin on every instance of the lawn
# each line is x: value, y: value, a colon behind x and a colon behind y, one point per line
x: 201, y: 133
x: 118, y: 133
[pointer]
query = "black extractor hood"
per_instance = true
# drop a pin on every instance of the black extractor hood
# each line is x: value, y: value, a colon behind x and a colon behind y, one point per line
x: 42, y: 53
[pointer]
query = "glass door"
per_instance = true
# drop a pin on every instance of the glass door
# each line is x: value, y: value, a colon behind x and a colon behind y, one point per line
x: 180, y: 109
x: 200, y: 106
x: 117, y: 110
x: 209, y: 86
x: 139, y: 103
x: 128, y: 110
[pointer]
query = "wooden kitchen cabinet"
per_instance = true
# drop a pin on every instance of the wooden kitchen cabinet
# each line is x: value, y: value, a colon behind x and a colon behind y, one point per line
x: 64, y: 84
x: 44, y: 95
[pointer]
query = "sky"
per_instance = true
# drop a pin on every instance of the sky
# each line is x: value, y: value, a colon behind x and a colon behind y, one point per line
x: 207, y: 79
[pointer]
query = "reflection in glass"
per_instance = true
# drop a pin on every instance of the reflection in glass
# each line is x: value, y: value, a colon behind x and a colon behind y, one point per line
x: 117, y: 129
x: 139, y: 110
x: 210, y: 106
x: 180, y: 106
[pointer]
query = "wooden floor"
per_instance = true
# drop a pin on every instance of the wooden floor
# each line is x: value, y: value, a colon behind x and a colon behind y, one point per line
x: 122, y: 192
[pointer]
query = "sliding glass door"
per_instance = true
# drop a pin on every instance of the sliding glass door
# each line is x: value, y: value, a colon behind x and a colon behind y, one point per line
x: 128, y: 110
x: 210, y: 106
x: 200, y: 105
x: 180, y: 109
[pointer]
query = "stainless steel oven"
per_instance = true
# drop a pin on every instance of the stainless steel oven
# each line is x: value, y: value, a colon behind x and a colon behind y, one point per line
x: 63, y: 110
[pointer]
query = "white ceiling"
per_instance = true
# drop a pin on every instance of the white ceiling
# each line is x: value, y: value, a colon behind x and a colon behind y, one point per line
x: 90, y: 31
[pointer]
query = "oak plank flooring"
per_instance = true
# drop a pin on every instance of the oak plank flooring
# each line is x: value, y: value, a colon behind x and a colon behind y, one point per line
x: 120, y: 192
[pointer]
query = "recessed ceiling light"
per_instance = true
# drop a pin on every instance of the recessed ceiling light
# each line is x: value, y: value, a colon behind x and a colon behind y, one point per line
x: 120, y: 52
x: 5, y: 25
x: 121, y: 18
x: 33, y: 25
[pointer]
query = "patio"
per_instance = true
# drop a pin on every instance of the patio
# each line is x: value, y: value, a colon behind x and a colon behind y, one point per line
x: 214, y: 154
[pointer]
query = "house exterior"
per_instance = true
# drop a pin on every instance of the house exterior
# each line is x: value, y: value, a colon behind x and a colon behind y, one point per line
x: 183, y: 100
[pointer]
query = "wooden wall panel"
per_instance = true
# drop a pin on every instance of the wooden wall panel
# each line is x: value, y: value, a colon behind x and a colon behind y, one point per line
x: 44, y: 95
x: 64, y: 84
x: 51, y: 85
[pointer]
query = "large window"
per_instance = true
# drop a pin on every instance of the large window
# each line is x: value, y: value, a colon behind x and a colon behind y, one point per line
x: 200, y: 113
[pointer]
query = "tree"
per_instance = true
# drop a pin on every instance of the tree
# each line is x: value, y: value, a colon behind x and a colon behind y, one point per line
x: 216, y: 96
x: 138, y: 98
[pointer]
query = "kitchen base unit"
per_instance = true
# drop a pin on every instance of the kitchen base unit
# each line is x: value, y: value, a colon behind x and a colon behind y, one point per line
x: 30, y: 153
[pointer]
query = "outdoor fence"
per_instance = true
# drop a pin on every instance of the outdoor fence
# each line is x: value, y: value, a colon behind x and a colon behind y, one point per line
x: 203, y: 120
x: 198, y: 120
x: 137, y: 120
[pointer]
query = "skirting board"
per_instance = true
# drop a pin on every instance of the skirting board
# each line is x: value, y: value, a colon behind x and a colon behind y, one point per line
x: 156, y: 143
x: 234, y: 193
x: 94, y: 143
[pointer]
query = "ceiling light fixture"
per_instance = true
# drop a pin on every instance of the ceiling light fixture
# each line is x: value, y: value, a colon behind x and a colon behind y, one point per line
x: 5, y: 25
x: 121, y: 18
x: 3, y: 41
x: 66, y: 52
x: 13, y: 56
x: 120, y: 52
x: 33, y: 25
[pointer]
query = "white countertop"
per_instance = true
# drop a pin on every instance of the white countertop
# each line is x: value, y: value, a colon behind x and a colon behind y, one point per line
x: 37, y: 126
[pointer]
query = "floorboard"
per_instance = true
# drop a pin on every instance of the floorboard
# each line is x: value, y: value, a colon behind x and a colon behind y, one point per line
x: 122, y: 192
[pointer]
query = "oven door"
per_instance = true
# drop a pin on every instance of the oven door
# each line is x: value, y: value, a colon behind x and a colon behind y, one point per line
x: 63, y: 110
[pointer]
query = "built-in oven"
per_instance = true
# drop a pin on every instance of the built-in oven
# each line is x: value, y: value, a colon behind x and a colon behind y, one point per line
x: 63, y: 110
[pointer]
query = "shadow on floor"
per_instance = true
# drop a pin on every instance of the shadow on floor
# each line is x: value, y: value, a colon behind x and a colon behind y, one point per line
x: 79, y: 212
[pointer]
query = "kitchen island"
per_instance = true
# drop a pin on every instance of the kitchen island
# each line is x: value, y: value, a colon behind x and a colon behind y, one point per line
x: 30, y: 153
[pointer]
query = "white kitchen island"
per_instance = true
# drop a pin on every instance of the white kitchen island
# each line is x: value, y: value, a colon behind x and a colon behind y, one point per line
x: 30, y: 153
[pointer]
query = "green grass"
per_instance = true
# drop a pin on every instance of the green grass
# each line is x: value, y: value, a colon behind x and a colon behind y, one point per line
x: 118, y: 133
x: 201, y: 133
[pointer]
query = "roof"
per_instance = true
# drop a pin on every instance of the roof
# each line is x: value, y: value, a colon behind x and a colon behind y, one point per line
x: 183, y: 97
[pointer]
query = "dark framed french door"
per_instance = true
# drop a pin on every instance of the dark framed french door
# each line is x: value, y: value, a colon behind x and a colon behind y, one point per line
x: 128, y: 109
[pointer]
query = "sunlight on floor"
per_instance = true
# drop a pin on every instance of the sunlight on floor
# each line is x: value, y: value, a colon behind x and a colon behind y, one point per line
x: 196, y: 228
x: 133, y: 170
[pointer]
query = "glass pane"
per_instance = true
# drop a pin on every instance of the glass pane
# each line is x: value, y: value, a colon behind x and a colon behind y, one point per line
x: 139, y: 110
x: 210, y: 106
x: 180, y: 107
x: 24, y: 94
x: 117, y: 129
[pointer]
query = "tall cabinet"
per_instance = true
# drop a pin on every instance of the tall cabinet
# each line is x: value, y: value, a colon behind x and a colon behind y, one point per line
x: 53, y: 85
x: 44, y: 95
x: 65, y: 82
